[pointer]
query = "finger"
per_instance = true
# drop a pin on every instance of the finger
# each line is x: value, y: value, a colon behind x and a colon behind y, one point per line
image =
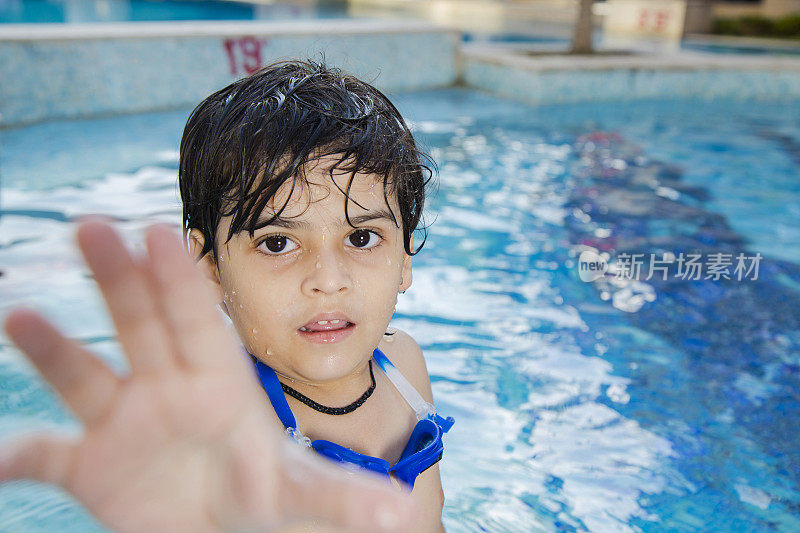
x: 319, y: 490
x: 85, y: 383
x: 187, y: 302
x: 42, y: 457
x: 128, y: 297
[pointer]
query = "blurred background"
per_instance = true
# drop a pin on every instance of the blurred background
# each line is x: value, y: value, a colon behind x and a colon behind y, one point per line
x: 608, y: 299
x: 493, y: 19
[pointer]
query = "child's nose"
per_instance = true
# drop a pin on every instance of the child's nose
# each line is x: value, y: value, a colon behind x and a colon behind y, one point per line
x: 328, y: 274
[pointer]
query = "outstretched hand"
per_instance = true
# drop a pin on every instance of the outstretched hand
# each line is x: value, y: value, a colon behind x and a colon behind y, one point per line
x: 186, y: 441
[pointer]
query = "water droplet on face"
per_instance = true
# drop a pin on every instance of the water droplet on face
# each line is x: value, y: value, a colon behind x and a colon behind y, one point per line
x: 318, y: 265
x: 269, y: 352
x: 388, y: 261
x: 255, y: 331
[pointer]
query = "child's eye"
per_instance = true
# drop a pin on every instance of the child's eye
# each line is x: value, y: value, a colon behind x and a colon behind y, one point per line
x: 363, y: 239
x: 277, y: 244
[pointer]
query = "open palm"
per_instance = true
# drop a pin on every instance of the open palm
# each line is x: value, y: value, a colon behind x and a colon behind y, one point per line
x: 186, y: 441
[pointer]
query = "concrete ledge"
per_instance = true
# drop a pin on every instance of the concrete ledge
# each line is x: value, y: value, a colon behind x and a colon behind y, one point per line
x: 548, y: 79
x: 135, y: 30
x: 65, y: 71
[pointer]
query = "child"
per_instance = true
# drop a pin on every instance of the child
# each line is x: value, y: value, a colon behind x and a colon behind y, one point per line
x: 302, y: 188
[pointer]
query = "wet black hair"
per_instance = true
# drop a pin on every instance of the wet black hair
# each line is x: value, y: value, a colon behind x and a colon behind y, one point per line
x: 242, y: 143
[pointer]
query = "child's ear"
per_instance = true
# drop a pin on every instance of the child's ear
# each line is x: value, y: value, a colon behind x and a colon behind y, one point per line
x: 405, y: 278
x: 206, y: 263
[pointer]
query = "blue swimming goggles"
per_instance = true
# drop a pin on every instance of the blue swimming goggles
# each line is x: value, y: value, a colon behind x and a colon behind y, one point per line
x: 423, y: 450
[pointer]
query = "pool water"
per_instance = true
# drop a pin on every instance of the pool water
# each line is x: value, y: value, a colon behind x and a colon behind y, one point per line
x: 82, y: 11
x: 611, y: 405
x: 543, y: 42
x: 790, y: 48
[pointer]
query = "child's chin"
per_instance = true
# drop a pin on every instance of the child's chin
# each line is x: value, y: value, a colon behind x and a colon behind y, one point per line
x: 331, y: 370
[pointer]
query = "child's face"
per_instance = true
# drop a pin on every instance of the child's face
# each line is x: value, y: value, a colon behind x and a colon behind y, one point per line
x: 287, y: 286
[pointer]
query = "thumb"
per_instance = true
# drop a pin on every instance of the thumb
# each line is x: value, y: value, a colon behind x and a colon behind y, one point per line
x: 41, y: 456
x: 316, y: 488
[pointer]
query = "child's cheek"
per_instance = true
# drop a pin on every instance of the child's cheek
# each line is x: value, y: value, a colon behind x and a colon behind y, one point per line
x: 239, y: 309
x: 389, y: 285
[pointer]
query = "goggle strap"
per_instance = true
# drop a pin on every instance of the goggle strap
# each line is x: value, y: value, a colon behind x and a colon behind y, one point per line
x: 421, y: 408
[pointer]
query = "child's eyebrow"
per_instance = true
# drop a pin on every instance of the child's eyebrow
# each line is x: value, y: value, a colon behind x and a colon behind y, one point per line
x: 290, y: 223
x: 373, y: 215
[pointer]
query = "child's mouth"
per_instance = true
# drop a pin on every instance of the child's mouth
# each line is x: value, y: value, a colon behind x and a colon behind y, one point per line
x: 326, y: 330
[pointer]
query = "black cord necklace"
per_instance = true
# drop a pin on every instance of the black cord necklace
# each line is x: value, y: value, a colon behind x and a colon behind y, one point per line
x: 333, y: 410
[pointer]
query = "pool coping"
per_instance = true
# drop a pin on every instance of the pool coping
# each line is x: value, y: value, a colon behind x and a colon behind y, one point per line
x: 64, y: 71
x: 552, y: 78
x: 150, y: 29
x: 61, y: 71
x: 547, y: 60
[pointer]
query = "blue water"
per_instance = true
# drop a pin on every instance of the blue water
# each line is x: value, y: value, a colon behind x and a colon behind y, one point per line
x: 74, y: 11
x: 790, y: 48
x: 606, y: 406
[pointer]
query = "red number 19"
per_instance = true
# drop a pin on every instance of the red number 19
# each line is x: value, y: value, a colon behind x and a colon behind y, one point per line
x: 244, y: 53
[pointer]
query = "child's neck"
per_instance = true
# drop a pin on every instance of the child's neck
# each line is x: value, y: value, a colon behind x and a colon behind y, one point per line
x: 333, y: 393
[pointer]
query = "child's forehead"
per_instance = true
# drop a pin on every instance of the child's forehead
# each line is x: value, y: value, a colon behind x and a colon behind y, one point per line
x: 319, y: 187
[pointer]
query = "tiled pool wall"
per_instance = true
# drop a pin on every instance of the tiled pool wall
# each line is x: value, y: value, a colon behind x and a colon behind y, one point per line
x: 563, y: 79
x: 78, y: 71
x: 72, y: 71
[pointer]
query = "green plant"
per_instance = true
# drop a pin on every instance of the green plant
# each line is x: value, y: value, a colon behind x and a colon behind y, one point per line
x: 759, y: 26
x: 788, y: 26
x: 726, y: 26
x: 756, y: 25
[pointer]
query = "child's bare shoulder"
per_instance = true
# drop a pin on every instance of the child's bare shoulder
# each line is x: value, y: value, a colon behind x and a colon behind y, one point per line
x: 404, y: 352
